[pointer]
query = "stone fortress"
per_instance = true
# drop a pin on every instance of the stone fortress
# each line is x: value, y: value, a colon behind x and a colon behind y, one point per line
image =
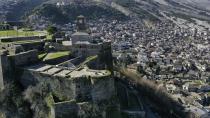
x: 80, y: 86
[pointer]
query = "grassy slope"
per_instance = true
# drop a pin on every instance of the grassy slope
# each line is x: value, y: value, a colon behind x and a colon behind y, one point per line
x: 54, y: 55
x: 14, y: 33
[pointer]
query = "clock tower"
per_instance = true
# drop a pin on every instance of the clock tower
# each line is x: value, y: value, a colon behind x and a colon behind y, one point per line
x: 81, y: 24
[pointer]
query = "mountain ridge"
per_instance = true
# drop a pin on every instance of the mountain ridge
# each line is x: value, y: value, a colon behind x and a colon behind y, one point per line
x: 152, y: 10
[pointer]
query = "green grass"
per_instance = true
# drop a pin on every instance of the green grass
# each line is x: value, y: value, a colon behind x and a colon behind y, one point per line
x: 55, y: 55
x: 49, y: 37
x: 198, y: 82
x: 42, y: 55
x: 19, y: 33
x: 88, y: 59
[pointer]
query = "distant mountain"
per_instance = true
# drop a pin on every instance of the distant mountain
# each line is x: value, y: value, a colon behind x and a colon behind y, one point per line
x: 16, y: 9
x: 199, y: 3
x: 195, y: 11
x: 68, y: 13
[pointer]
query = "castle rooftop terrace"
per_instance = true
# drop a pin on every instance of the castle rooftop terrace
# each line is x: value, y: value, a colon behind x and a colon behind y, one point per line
x: 88, y: 72
x: 62, y: 72
x: 52, y: 71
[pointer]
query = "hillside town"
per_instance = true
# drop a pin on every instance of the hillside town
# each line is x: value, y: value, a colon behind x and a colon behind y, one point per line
x: 104, y: 59
x: 65, y: 77
x: 175, y: 58
x: 76, y: 69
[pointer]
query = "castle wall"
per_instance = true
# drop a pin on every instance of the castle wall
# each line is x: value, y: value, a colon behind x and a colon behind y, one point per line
x: 87, y: 50
x: 14, y: 48
x: 27, y: 78
x: 80, y: 36
x: 75, y: 61
x: 82, y: 110
x: 73, y: 109
x: 60, y: 47
x: 1, y: 75
x: 32, y: 46
x: 103, y: 89
x: 24, y: 58
x: 5, y: 71
x: 13, y: 39
x: 9, y: 63
x: 91, y: 49
x: 65, y: 109
x: 62, y: 88
x: 57, y: 60
x: 1, y: 81
x: 11, y: 48
x: 67, y: 88
x: 83, y: 89
x: 105, y: 56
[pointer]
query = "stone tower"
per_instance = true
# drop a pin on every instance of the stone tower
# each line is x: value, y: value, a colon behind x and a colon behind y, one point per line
x: 4, y: 69
x: 81, y: 24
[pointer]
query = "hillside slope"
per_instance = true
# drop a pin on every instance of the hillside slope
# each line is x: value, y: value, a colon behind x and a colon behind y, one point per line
x: 65, y: 14
x: 178, y: 11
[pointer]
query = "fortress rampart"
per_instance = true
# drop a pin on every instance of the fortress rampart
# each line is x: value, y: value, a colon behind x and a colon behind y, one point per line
x: 14, y: 39
x: 72, y: 85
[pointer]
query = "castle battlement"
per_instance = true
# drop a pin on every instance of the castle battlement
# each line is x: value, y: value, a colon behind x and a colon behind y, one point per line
x: 81, y: 84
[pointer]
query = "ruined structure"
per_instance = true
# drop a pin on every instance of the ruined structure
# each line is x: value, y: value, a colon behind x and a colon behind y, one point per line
x: 83, y: 86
